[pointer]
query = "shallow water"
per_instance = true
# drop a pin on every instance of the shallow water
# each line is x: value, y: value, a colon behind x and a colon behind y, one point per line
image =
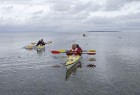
x: 28, y: 72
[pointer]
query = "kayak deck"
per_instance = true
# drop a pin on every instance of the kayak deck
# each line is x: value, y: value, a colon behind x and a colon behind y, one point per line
x: 72, y: 60
x: 39, y: 47
x: 29, y: 47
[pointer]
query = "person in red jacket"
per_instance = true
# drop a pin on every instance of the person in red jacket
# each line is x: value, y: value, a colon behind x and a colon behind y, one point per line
x: 74, y: 51
x: 79, y: 48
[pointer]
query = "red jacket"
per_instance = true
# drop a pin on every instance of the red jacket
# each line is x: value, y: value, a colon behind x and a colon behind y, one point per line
x: 77, y: 51
x: 79, y: 48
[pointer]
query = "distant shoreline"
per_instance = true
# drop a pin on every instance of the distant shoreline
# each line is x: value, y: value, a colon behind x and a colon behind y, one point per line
x: 103, y: 31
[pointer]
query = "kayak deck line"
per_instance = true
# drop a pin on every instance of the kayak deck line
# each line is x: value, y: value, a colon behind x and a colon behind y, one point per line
x: 39, y: 47
x: 72, y: 60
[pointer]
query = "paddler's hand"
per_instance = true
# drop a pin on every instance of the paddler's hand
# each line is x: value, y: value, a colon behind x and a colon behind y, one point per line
x: 67, y: 52
x: 73, y: 53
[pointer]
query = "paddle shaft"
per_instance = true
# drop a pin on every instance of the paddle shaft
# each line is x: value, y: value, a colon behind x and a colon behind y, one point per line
x: 82, y: 51
x: 45, y: 43
x: 57, y: 52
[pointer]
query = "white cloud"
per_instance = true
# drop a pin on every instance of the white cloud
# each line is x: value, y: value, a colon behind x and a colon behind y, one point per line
x: 20, y: 13
x: 74, y: 15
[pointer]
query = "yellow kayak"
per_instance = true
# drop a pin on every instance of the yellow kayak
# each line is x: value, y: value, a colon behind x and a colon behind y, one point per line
x: 72, y: 60
x: 29, y: 47
x: 40, y: 47
x: 33, y: 43
x: 33, y: 46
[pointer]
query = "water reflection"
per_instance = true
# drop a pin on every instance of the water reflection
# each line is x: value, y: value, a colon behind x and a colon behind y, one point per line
x: 72, y: 69
x: 91, y: 62
x: 117, y: 69
x: 40, y: 51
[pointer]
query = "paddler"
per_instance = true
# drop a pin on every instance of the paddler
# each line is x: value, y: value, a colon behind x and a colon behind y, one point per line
x: 40, y: 42
x: 76, y: 50
x: 79, y: 48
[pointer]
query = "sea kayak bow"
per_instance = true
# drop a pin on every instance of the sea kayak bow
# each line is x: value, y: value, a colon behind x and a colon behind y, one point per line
x: 72, y: 60
x: 40, y: 47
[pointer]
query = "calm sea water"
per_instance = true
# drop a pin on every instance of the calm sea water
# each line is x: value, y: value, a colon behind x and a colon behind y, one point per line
x: 28, y: 72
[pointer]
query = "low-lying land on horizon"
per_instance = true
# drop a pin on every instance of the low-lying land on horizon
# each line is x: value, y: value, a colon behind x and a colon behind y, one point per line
x: 103, y: 31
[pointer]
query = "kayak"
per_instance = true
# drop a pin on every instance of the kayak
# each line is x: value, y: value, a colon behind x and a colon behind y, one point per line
x: 72, y: 60
x: 33, y: 43
x: 33, y: 46
x: 40, y: 47
x: 29, y: 47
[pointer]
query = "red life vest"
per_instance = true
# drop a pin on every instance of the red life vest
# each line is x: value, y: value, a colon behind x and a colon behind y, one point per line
x: 75, y: 52
x: 79, y: 48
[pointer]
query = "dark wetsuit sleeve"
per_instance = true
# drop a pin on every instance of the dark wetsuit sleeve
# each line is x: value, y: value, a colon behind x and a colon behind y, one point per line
x: 38, y: 43
x: 43, y: 43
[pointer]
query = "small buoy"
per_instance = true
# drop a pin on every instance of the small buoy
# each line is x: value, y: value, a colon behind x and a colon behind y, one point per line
x: 84, y: 35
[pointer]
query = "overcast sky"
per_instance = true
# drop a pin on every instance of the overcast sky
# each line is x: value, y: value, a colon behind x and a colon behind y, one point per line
x: 69, y: 15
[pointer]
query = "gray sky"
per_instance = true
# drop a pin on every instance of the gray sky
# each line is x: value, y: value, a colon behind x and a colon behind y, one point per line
x: 69, y: 15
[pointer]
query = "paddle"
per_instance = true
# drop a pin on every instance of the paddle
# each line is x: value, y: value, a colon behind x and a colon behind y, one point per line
x: 82, y: 51
x: 45, y: 43
x: 58, y: 52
